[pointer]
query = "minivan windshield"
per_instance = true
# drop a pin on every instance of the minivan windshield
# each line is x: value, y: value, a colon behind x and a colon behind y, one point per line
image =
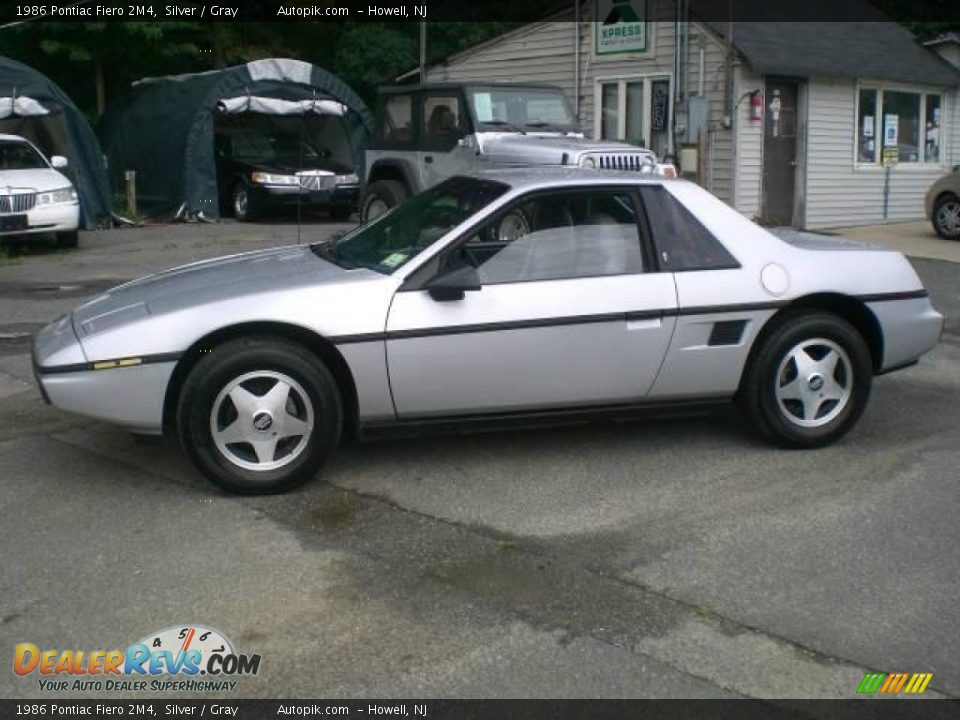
x: 393, y: 239
x: 528, y: 109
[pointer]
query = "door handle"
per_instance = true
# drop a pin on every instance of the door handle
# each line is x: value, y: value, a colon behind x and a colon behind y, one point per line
x: 428, y: 159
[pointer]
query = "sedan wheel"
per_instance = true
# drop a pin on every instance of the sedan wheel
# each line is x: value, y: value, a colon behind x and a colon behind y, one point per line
x: 241, y: 202
x: 808, y: 379
x: 946, y: 218
x: 259, y: 415
x: 261, y: 420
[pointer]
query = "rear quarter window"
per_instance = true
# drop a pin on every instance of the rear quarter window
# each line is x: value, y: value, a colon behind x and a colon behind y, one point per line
x: 681, y: 241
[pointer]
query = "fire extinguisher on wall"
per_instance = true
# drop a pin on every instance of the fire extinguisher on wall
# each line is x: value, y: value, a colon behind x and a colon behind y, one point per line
x: 756, y: 106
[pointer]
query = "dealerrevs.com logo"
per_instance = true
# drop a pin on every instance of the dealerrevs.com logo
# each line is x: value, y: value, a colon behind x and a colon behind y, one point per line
x: 181, y: 657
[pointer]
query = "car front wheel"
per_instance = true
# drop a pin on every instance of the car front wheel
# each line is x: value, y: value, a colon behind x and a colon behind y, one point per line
x: 946, y: 217
x: 809, y: 381
x: 259, y: 415
x: 240, y: 203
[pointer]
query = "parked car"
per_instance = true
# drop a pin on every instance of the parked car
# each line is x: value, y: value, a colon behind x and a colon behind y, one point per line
x: 943, y: 205
x: 259, y: 172
x: 35, y: 198
x: 529, y: 293
x: 427, y: 133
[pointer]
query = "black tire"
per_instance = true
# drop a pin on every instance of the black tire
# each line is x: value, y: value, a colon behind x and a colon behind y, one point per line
x: 220, y: 369
x: 947, y: 205
x: 67, y: 240
x: 780, y: 420
x: 341, y: 213
x: 241, y: 202
x: 383, y: 192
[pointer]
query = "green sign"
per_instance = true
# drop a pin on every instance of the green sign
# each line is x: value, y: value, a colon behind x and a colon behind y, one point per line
x: 621, y: 26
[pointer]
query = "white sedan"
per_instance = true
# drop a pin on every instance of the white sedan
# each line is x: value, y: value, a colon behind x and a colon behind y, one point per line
x: 35, y: 198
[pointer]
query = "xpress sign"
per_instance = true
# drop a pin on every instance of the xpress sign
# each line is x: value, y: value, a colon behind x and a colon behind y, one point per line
x: 621, y: 26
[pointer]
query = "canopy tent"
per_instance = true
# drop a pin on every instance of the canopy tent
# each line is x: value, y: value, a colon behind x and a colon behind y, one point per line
x: 32, y: 106
x: 165, y: 128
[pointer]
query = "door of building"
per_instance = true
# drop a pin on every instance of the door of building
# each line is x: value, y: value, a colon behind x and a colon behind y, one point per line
x: 779, y: 151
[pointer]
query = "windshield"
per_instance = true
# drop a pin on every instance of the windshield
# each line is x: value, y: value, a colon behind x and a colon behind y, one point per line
x: 16, y: 155
x: 391, y: 240
x: 257, y: 147
x: 520, y: 108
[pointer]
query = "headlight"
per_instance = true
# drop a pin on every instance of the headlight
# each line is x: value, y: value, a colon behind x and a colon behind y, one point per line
x: 351, y: 179
x: 270, y: 179
x: 587, y: 162
x: 62, y: 195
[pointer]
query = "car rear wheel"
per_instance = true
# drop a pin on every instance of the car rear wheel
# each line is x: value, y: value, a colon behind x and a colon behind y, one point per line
x: 259, y: 415
x: 946, y: 217
x: 240, y: 203
x: 809, y: 381
x: 380, y: 197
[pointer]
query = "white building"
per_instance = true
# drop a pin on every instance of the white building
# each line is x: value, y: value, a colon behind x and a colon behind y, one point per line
x: 834, y: 102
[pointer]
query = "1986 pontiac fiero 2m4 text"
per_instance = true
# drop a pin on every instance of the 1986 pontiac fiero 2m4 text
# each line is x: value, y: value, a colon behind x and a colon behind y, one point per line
x: 536, y: 292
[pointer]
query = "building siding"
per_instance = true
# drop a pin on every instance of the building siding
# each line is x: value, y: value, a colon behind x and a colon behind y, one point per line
x: 749, y: 147
x: 838, y: 193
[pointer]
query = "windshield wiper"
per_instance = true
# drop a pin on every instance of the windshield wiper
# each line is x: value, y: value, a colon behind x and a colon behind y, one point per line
x: 506, y: 125
x: 328, y: 251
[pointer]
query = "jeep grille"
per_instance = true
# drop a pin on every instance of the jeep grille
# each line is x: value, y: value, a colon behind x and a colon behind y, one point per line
x: 625, y: 161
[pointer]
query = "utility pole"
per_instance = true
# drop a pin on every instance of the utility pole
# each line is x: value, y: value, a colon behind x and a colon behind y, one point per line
x: 423, y: 51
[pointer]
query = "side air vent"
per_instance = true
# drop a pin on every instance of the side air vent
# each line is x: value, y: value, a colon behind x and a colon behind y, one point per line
x: 727, y: 332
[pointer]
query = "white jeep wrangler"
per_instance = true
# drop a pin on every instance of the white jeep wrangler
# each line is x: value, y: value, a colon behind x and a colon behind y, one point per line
x: 427, y: 133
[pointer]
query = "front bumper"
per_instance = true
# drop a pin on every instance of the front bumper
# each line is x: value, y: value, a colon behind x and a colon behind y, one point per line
x: 56, y: 218
x: 130, y: 396
x: 265, y: 197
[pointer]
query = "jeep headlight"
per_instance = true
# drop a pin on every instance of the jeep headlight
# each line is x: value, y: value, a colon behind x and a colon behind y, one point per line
x: 351, y: 179
x: 587, y: 162
x: 60, y: 195
x: 262, y: 178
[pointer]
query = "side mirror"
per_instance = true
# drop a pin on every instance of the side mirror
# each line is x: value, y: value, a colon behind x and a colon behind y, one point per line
x: 454, y: 285
x: 59, y: 162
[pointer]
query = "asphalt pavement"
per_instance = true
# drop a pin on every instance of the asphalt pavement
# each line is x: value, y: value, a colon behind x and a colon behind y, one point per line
x: 672, y: 557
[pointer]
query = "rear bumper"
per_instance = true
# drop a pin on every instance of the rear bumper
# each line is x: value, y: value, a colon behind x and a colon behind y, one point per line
x: 911, y: 328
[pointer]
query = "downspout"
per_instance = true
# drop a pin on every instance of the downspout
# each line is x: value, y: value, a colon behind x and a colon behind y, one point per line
x: 576, y: 61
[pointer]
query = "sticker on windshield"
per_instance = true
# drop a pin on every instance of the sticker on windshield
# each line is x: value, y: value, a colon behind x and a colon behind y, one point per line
x: 394, y: 259
x: 483, y: 107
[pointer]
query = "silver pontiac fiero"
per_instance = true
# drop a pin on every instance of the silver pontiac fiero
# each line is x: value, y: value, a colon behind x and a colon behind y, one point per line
x: 525, y: 294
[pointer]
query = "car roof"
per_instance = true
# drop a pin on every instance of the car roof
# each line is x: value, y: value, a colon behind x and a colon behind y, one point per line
x: 533, y: 177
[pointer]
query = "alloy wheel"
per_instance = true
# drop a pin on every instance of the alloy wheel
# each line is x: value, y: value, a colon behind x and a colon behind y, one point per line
x: 814, y: 383
x: 948, y: 217
x: 262, y: 420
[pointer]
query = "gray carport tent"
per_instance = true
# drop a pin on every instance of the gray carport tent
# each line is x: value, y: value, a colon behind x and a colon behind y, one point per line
x: 164, y: 129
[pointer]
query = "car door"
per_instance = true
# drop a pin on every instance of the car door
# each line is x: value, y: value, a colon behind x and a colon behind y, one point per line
x: 564, y: 313
x: 443, y: 123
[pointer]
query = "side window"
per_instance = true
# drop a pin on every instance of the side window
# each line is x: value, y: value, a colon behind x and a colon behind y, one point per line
x: 681, y: 241
x: 556, y: 236
x: 441, y: 120
x: 397, y: 119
